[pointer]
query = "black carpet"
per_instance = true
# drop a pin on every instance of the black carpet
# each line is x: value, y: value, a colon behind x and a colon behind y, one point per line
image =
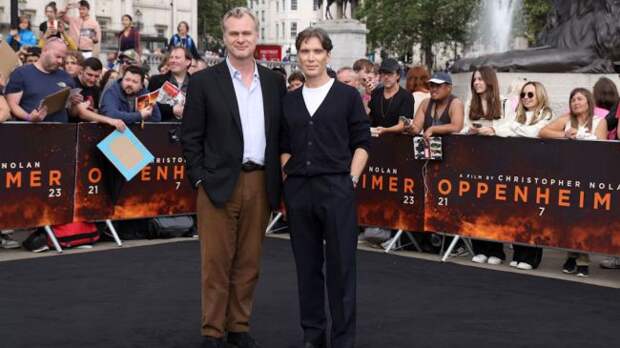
x: 149, y: 297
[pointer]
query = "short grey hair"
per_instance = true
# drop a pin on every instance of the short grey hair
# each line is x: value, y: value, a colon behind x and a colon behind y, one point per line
x: 239, y: 12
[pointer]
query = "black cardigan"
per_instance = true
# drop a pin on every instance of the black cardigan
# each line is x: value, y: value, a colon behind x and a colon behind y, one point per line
x: 324, y: 143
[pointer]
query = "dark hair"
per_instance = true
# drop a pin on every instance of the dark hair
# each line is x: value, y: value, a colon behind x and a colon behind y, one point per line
x: 316, y: 32
x: 280, y: 70
x: 296, y: 76
x: 186, y: 25
x: 106, y: 77
x: 84, y: 3
x: 417, y: 79
x: 33, y: 51
x: 605, y: 93
x: 75, y: 54
x: 136, y: 70
x: 331, y: 73
x: 21, y: 18
x: 494, y: 104
x: 574, y: 123
x: 52, y: 5
x: 93, y: 63
x: 363, y: 64
x: 188, y: 55
x: 128, y: 17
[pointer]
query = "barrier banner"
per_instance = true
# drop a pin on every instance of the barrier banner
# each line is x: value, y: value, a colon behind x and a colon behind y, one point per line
x: 159, y: 189
x: 390, y: 193
x: 37, y: 174
x: 554, y: 193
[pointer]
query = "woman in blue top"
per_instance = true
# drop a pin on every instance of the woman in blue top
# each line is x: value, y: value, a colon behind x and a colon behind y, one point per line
x: 22, y: 37
x: 182, y: 39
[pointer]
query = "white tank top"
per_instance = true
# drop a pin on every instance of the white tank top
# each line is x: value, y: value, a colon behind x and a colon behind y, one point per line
x: 582, y: 132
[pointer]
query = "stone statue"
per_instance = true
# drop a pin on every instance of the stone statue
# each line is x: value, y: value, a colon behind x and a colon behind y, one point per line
x: 341, y: 8
x: 580, y: 36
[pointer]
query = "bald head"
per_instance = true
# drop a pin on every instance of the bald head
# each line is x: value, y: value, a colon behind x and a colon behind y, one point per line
x: 53, y: 55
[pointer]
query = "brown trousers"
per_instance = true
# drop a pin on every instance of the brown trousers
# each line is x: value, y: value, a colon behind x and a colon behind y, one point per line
x: 230, y: 246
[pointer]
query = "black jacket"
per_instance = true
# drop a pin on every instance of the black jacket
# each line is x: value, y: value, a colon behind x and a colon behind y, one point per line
x: 155, y: 83
x: 325, y: 142
x: 212, y: 136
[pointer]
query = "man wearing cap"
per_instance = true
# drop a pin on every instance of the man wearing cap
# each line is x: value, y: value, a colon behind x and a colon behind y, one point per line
x: 389, y: 102
x: 442, y: 113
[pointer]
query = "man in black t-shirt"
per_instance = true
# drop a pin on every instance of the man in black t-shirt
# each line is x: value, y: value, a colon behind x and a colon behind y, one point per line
x: 389, y: 102
x: 87, y: 81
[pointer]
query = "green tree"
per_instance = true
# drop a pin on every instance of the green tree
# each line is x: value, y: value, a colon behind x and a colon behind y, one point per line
x: 210, y: 13
x: 536, y: 13
x: 397, y: 25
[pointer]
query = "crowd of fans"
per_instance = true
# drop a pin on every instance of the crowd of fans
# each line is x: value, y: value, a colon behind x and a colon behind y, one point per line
x: 64, y: 52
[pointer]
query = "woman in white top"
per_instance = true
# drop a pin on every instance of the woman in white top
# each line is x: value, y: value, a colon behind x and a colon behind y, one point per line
x: 486, y: 110
x: 533, y: 113
x: 578, y: 124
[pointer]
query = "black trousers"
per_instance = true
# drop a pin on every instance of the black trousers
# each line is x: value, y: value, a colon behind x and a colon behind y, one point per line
x: 322, y: 208
x: 527, y: 254
x: 488, y: 248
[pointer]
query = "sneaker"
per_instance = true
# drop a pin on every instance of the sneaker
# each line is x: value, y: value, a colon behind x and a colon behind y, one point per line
x: 480, y: 258
x: 514, y: 263
x: 611, y: 263
x: 41, y: 249
x: 524, y: 266
x: 494, y: 260
x: 570, y: 266
x: 583, y: 271
x: 9, y: 243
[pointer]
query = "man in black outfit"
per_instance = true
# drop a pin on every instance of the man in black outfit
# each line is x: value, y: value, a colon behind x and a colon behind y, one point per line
x: 324, y: 144
x: 390, y: 101
x: 230, y: 137
x: 179, y: 63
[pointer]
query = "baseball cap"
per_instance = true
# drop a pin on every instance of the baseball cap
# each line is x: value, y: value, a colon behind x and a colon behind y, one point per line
x: 389, y: 65
x: 440, y: 78
x: 131, y: 54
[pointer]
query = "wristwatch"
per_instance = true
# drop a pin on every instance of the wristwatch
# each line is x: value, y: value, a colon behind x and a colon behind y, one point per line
x: 355, y: 179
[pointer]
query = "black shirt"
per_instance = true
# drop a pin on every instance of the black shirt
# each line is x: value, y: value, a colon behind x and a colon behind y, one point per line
x: 90, y: 94
x: 385, y: 112
x: 323, y: 143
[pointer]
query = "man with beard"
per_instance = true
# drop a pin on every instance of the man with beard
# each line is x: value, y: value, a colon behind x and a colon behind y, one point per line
x: 389, y: 102
x: 31, y: 83
x: 119, y: 101
x: 90, y: 91
x: 179, y: 62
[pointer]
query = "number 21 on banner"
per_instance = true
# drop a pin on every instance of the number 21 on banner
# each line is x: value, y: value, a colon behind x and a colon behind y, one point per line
x: 443, y: 201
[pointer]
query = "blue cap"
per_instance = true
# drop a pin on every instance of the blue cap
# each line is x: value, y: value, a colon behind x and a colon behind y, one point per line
x: 440, y: 78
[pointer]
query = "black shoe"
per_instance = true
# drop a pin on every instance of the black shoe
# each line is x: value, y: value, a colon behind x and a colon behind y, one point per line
x: 314, y: 345
x: 241, y: 340
x: 212, y: 342
x: 570, y: 266
x: 583, y: 271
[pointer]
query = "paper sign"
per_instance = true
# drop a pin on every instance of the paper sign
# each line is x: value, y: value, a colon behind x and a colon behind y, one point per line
x: 146, y: 100
x: 126, y: 152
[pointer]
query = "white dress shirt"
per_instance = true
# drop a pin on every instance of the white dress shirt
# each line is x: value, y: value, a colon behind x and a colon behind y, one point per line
x: 252, y: 114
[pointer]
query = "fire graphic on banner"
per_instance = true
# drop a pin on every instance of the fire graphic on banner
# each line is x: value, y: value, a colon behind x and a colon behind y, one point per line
x: 36, y: 177
x: 390, y: 193
x: 512, y: 192
x: 159, y: 189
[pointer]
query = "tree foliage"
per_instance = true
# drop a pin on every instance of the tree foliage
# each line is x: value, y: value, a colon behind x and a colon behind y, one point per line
x: 536, y: 13
x: 397, y: 25
x: 210, y: 13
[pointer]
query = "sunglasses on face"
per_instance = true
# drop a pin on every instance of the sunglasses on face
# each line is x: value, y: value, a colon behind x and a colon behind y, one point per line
x: 530, y: 95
